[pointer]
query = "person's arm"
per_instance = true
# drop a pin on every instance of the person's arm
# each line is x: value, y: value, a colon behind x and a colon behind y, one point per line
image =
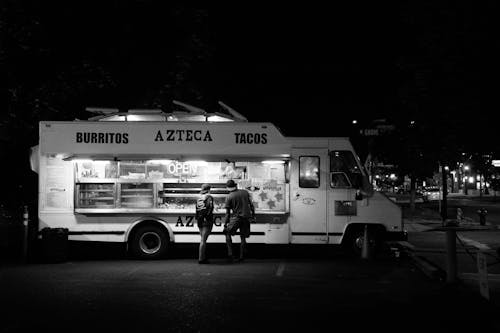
x: 228, y: 211
x: 252, y: 207
x: 211, y: 204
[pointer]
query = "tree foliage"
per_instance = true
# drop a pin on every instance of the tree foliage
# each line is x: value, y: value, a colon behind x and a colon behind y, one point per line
x: 60, y: 58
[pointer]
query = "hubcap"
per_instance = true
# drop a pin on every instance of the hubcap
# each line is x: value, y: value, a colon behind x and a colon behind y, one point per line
x: 359, y: 242
x: 150, y: 242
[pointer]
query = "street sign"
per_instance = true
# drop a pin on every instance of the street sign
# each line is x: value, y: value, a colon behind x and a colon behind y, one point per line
x: 369, y: 132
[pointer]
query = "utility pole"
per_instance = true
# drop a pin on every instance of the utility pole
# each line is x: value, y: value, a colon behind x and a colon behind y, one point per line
x: 444, y: 208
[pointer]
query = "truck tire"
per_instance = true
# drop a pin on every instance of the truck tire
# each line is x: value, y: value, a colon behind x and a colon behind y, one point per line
x: 149, y: 242
x: 355, y: 238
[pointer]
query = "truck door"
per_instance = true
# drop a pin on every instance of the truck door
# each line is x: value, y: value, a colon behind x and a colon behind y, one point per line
x: 308, y: 183
x: 345, y: 175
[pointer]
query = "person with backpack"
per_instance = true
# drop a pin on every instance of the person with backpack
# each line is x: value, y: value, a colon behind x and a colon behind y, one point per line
x: 204, y: 219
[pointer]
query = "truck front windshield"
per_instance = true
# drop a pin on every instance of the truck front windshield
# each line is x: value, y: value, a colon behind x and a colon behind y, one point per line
x: 345, y: 161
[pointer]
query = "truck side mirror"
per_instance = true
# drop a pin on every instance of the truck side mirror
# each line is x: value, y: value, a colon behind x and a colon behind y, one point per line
x: 357, y: 180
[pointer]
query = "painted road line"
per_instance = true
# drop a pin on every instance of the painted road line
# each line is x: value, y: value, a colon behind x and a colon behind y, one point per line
x: 411, y: 247
x: 430, y: 270
x: 436, y: 250
x: 473, y: 276
x: 425, y: 267
x: 476, y: 244
x: 130, y: 273
x: 407, y: 245
x: 281, y: 269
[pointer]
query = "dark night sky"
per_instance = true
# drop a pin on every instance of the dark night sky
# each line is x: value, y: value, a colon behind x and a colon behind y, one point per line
x: 286, y: 64
x: 309, y: 69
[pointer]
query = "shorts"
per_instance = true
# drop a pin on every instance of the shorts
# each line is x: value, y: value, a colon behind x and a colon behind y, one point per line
x: 204, y: 222
x: 235, y: 223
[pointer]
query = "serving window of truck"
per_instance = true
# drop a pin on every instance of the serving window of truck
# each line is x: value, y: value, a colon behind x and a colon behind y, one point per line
x: 173, y: 186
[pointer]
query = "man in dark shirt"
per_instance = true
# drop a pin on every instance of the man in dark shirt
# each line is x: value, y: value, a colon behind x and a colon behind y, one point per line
x: 239, y: 211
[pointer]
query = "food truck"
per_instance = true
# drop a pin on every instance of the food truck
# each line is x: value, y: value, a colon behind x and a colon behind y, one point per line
x: 134, y: 177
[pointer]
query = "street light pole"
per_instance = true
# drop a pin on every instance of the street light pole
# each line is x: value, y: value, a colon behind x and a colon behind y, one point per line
x: 460, y: 178
x: 444, y: 207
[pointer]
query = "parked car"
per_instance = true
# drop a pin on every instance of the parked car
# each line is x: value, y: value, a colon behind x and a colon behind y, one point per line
x: 432, y: 193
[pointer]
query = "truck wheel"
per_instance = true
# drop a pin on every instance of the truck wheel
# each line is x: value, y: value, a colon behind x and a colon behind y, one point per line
x: 149, y: 242
x: 356, y: 238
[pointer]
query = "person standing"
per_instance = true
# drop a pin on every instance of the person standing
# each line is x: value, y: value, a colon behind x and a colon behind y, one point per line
x: 239, y: 211
x: 205, y: 220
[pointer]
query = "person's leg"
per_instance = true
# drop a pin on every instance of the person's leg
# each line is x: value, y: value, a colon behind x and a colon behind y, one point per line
x: 242, y: 246
x: 229, y: 245
x: 204, y: 232
x: 230, y: 229
x: 244, y: 233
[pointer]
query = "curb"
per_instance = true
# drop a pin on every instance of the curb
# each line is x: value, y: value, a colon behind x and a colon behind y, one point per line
x: 431, y: 270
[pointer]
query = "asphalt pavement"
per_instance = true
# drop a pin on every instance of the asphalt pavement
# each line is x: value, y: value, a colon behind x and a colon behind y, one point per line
x: 298, y: 288
x: 278, y: 288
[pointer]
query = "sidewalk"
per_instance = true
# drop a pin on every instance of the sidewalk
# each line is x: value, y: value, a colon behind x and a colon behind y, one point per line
x: 427, y: 247
x: 490, y: 197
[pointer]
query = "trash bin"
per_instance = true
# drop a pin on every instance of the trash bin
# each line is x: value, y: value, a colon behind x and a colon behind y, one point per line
x: 55, y: 244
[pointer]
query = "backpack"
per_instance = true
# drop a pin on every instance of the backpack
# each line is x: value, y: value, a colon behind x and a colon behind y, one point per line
x: 204, y: 207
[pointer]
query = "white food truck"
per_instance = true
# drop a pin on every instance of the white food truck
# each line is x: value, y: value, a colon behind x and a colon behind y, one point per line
x: 134, y: 177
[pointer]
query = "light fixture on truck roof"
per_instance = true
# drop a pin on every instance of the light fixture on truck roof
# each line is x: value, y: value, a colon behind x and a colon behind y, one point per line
x: 87, y: 160
x: 159, y: 161
x: 188, y: 113
x: 273, y: 162
x: 198, y: 163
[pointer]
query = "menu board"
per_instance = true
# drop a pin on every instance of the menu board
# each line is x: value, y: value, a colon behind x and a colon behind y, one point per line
x: 56, y: 189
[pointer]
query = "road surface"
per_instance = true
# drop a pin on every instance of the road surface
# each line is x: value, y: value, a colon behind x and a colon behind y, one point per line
x: 292, y: 293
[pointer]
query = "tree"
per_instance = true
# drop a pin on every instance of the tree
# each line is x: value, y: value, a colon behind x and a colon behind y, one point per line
x: 56, y: 64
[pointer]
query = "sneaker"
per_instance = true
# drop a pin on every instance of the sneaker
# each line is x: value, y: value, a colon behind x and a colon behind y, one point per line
x: 241, y: 259
x: 205, y: 261
x: 230, y: 259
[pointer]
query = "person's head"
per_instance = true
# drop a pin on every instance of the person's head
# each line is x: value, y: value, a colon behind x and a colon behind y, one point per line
x: 205, y: 188
x: 231, y: 185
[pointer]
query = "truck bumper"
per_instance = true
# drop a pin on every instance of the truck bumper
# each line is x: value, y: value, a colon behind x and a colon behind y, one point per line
x: 396, y: 236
